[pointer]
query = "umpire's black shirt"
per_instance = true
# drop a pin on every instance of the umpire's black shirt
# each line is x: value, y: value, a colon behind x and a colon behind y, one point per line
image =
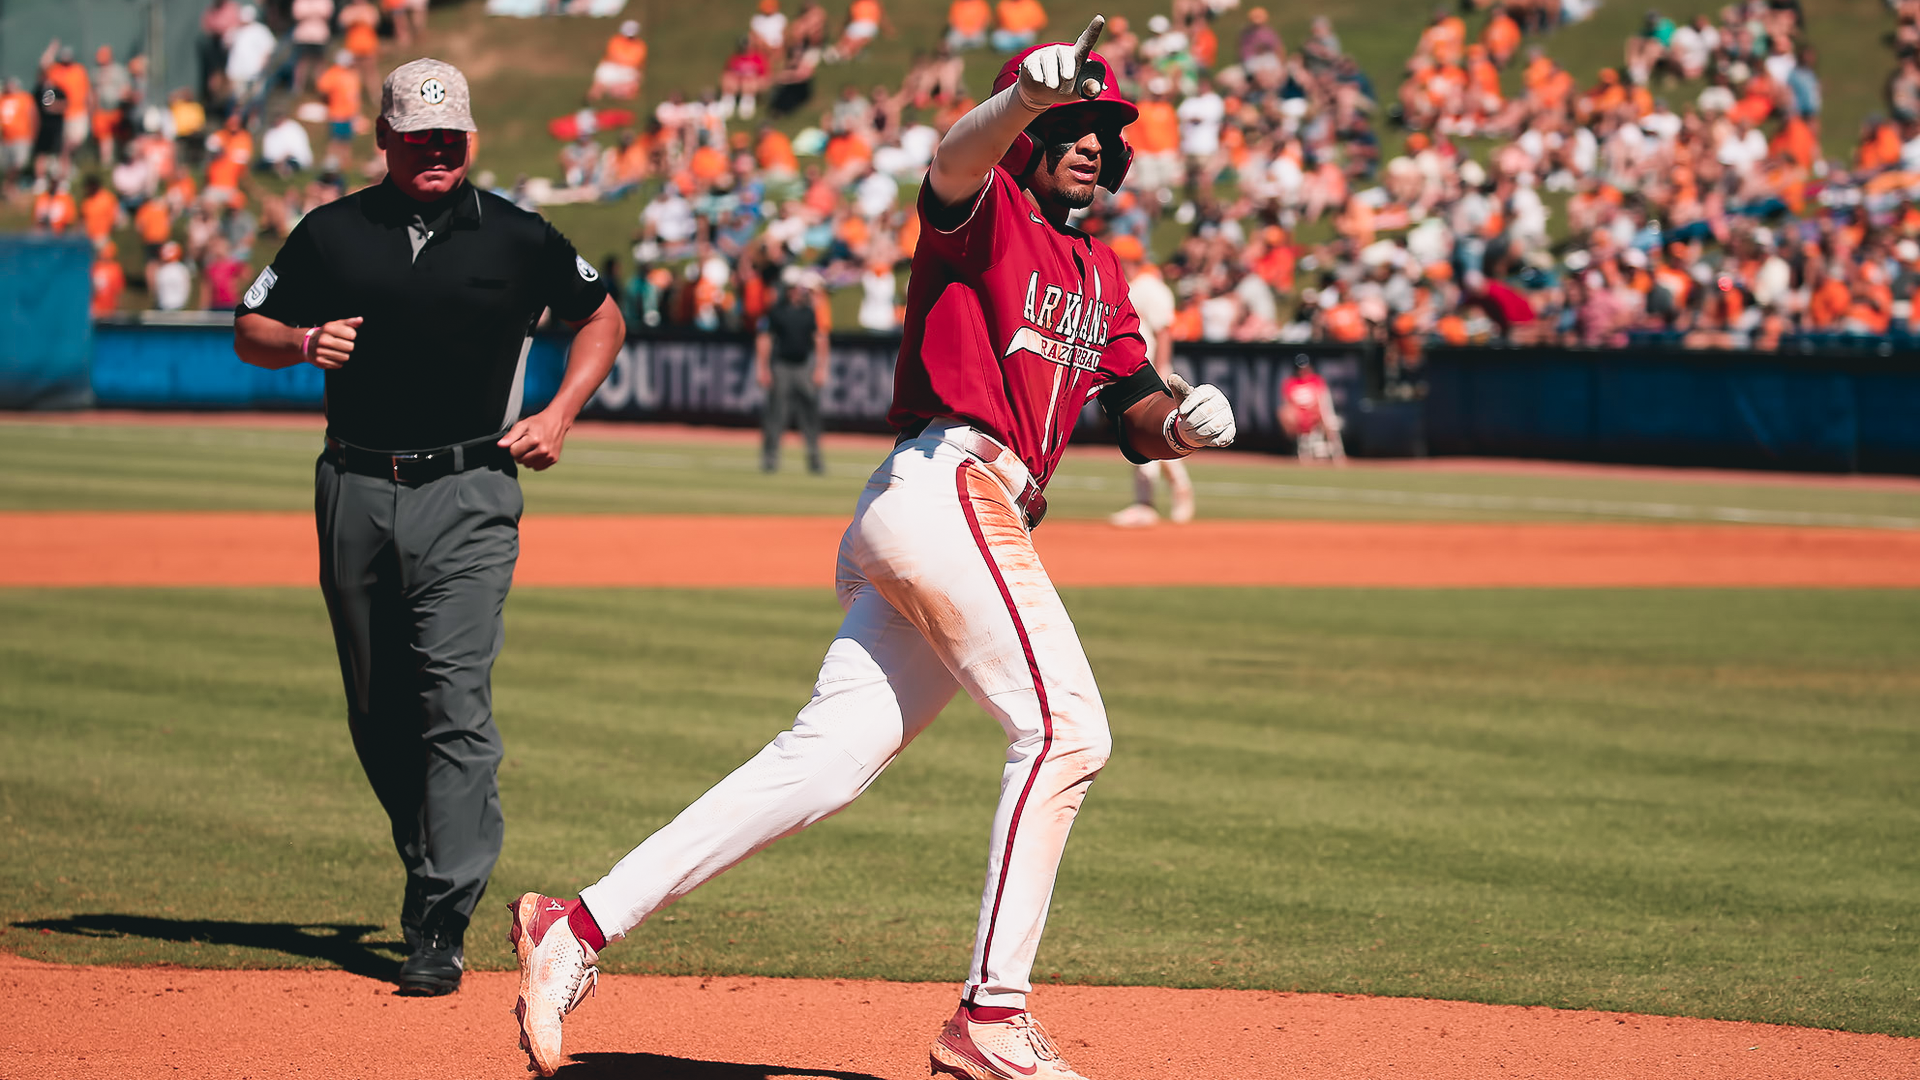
x: 450, y: 291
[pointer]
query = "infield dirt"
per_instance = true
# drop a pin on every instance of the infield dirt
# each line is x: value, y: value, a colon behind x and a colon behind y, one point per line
x: 92, y: 1022
x: 132, y: 548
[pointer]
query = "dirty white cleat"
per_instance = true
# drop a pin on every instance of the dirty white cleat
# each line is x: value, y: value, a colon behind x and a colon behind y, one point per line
x: 1136, y: 516
x: 1016, y: 1048
x: 556, y: 975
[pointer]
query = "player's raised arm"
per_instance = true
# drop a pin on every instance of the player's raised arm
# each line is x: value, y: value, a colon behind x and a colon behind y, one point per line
x: 1049, y: 76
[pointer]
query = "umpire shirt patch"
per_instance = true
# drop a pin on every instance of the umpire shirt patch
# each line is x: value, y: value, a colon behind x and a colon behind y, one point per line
x: 257, y: 293
x: 587, y: 272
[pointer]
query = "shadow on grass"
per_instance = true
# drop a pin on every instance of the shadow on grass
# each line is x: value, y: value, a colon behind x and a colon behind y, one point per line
x: 617, y: 1066
x: 334, y: 943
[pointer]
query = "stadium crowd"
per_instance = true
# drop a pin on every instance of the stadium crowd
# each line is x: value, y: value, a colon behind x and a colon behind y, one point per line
x: 1283, y: 196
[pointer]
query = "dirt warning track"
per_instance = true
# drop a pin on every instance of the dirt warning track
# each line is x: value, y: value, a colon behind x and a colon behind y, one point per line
x: 107, y: 548
x: 95, y: 1022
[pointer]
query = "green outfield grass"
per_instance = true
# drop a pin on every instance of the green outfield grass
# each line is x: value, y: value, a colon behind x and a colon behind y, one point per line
x: 95, y: 466
x: 1680, y: 802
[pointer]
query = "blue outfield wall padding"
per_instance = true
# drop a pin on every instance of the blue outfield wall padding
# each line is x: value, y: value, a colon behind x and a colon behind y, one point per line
x: 46, y: 322
x: 1822, y: 413
x: 192, y: 367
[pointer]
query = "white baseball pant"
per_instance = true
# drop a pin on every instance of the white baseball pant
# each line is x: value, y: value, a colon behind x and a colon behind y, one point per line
x: 942, y: 591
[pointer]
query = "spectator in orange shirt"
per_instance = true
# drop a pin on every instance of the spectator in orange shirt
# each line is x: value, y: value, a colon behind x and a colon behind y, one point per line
x: 774, y: 154
x: 99, y: 211
x: 1445, y: 38
x: 708, y: 165
x: 53, y: 208
x: 1020, y: 23
x: 340, y: 84
x: 967, y: 23
x: 71, y: 77
x: 154, y: 223
x: 109, y: 280
x: 360, y: 22
x: 19, y: 122
x: 232, y: 148
x: 1501, y: 35
x: 624, y: 66
x: 846, y: 151
x: 865, y: 20
x: 1155, y: 138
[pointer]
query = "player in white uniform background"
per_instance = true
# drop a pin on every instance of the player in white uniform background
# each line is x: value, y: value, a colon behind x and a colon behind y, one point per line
x: 1153, y: 302
x: 1014, y: 321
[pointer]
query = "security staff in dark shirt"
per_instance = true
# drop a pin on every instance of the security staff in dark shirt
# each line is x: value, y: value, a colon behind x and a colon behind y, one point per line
x: 417, y: 297
x: 790, y: 362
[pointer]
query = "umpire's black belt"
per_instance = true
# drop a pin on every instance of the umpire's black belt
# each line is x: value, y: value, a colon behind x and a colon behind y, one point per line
x: 419, y: 466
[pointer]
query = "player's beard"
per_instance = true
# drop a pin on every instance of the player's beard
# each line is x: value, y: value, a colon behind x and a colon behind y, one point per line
x: 1069, y: 192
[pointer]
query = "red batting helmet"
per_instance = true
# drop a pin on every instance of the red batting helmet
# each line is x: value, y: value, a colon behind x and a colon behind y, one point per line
x: 1114, y: 161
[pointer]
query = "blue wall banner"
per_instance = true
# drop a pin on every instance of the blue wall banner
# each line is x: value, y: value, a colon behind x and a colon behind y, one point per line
x: 46, y: 327
x: 1741, y: 410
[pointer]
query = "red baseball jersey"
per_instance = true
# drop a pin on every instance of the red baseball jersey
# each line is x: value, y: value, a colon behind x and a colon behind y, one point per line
x: 1012, y: 325
x: 1303, y: 393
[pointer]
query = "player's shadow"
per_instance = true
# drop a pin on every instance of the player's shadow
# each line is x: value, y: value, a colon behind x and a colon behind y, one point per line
x: 620, y: 1066
x: 343, y: 944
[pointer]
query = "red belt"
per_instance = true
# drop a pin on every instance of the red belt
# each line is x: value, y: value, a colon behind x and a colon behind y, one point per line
x: 1032, y: 503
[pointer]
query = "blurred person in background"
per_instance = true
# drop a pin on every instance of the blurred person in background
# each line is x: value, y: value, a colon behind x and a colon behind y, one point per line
x: 1306, y: 413
x: 108, y: 280
x: 71, y: 76
x: 1153, y: 302
x: 285, y: 147
x: 54, y: 210
x: 19, y: 119
x: 312, y: 33
x: 790, y: 359
x: 341, y: 86
x: 249, y: 51
x: 100, y: 211
x: 217, y: 24
x: 865, y: 20
x: 170, y: 281
x: 409, y: 20
x: 360, y: 29
x: 621, y: 67
x: 220, y: 276
x: 743, y: 80
x: 113, y: 93
x: 1018, y: 24
x: 968, y: 22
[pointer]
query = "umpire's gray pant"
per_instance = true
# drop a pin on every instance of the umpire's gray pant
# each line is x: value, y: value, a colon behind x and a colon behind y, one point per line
x: 416, y: 577
x: 791, y: 399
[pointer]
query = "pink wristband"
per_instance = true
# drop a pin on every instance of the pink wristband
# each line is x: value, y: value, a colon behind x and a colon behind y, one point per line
x: 307, y: 342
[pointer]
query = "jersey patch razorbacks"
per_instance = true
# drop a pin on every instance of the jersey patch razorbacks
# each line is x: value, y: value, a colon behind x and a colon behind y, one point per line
x: 1076, y: 341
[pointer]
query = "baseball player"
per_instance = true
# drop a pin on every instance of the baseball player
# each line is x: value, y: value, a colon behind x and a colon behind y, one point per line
x: 1306, y: 413
x: 1153, y: 302
x: 1014, y: 320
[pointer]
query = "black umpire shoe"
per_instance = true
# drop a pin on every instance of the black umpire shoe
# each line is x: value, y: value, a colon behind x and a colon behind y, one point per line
x: 435, y: 967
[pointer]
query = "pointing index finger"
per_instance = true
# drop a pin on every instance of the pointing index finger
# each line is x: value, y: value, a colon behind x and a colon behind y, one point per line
x: 1087, y: 39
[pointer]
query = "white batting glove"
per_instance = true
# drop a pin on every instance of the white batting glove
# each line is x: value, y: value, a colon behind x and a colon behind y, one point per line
x: 1051, y: 76
x: 1204, y: 417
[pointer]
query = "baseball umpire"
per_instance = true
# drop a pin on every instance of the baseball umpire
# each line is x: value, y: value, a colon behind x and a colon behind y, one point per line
x: 1014, y: 321
x: 417, y: 297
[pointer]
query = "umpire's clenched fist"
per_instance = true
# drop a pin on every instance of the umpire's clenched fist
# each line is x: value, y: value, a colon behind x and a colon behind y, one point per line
x: 1050, y: 75
x: 330, y: 345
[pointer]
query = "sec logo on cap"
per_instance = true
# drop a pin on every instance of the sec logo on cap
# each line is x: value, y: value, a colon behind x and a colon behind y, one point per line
x: 433, y: 91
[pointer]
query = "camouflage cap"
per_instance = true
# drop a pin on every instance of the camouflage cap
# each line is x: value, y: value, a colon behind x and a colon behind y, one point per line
x: 424, y: 94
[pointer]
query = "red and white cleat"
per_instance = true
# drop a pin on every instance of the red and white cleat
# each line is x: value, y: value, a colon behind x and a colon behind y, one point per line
x: 1016, y: 1048
x: 556, y: 975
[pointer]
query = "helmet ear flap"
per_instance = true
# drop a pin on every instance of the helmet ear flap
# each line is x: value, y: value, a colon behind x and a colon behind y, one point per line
x: 1113, y: 170
x: 1019, y: 156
